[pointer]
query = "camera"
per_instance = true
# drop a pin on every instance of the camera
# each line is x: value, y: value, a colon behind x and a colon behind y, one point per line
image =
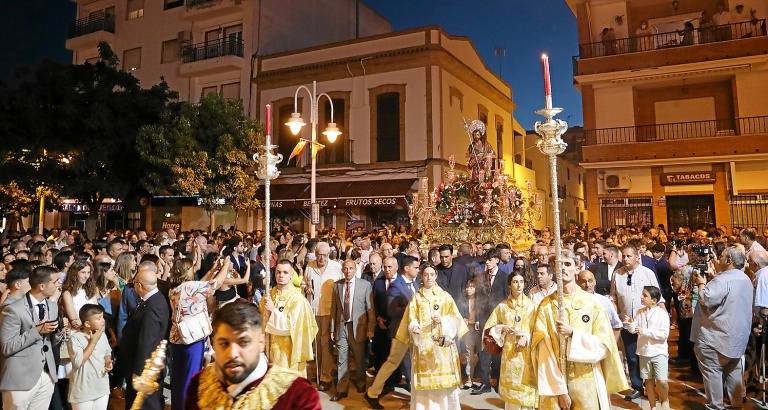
x: 704, y: 251
x: 679, y: 243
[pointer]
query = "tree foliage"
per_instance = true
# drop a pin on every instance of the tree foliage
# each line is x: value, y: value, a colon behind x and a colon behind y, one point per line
x: 204, y: 149
x: 74, y: 127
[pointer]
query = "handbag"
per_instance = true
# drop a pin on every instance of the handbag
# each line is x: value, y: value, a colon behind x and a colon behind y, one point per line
x: 193, y: 328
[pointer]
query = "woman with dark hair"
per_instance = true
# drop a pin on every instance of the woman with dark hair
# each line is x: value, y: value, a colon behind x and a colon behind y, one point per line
x: 510, y: 327
x: 78, y: 289
x: 523, y: 266
x: 190, y: 322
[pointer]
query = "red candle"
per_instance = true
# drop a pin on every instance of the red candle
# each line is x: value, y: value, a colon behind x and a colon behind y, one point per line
x: 545, y: 66
x: 269, y: 119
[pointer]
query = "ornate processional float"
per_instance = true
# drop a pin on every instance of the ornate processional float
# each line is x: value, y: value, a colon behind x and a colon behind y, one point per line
x: 484, y: 205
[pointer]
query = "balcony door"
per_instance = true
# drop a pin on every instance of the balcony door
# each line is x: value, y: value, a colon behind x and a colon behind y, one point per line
x: 212, y: 46
x: 694, y: 211
x: 686, y: 118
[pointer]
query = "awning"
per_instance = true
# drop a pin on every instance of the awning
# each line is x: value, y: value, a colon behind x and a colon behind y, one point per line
x: 386, y: 193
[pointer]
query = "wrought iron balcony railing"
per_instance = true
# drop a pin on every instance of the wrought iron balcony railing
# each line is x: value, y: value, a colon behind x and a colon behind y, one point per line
x: 677, y: 131
x: 212, y: 49
x: 672, y: 39
x: 192, y: 3
x: 97, y: 21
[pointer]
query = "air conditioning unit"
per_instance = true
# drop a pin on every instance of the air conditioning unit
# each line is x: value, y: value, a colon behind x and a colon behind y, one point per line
x: 184, y: 36
x: 617, y: 182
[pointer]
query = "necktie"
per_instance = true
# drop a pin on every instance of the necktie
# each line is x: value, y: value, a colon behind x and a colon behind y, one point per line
x: 347, y: 302
x: 41, y: 311
x: 491, y: 277
x: 387, y: 287
x: 413, y: 290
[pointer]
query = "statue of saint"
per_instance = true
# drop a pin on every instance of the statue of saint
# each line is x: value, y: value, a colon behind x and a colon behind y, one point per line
x: 480, y: 154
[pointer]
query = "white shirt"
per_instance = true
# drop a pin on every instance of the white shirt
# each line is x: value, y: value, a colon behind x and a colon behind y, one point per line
x: 628, y: 298
x: 537, y: 294
x: 722, y: 18
x: 613, y: 317
x: 150, y: 294
x: 761, y: 289
x: 611, y: 269
x: 492, y: 275
x: 655, y: 324
x: 322, y: 285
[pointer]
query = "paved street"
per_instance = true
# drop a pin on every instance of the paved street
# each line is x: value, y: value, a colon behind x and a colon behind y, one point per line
x: 686, y: 392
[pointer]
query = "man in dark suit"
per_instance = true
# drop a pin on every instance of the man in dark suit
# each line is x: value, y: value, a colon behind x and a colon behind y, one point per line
x: 398, y: 295
x: 452, y: 278
x: 381, y: 339
x: 352, y: 322
x: 492, y: 290
x: 603, y: 271
x: 664, y: 271
x: 145, y: 329
x: 372, y: 270
x: 28, y: 334
x: 465, y: 255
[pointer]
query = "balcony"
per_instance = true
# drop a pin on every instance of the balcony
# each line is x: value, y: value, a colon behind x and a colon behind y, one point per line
x: 212, y: 57
x: 198, y: 10
x: 675, y: 47
x: 88, y: 31
x: 677, y: 140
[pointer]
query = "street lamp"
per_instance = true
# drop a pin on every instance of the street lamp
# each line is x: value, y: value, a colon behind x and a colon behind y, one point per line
x: 331, y: 131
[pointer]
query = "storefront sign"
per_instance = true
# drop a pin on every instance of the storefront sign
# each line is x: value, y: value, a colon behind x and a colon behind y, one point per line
x: 353, y: 224
x: 277, y: 204
x: 381, y: 201
x: 687, y: 178
x: 118, y: 207
x: 662, y: 201
x: 323, y: 203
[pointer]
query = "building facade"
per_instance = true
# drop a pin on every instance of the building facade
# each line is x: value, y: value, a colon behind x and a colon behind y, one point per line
x: 200, y: 47
x: 399, y: 100
x: 676, y: 129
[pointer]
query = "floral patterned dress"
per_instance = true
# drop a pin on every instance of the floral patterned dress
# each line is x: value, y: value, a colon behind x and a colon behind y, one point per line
x: 187, y: 300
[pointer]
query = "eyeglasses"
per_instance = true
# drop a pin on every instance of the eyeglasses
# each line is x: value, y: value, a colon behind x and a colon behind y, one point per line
x: 629, y: 279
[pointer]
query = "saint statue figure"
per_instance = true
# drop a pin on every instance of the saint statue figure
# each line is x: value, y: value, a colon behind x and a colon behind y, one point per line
x: 480, y: 154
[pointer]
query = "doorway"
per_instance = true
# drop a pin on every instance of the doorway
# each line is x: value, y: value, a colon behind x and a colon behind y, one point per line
x: 694, y: 211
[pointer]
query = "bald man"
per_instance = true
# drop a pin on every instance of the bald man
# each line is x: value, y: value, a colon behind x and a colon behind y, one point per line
x: 146, y: 327
x: 587, y: 282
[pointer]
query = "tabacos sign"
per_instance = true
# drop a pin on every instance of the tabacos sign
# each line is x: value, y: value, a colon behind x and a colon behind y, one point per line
x: 688, y: 178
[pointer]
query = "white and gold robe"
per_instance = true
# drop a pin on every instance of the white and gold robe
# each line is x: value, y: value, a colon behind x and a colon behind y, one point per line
x: 290, y: 330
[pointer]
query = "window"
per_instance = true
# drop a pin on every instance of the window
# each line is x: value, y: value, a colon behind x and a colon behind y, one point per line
x: 208, y: 90
x: 388, y: 127
x: 110, y: 11
x: 528, y: 163
x: 135, y: 9
x: 132, y: 59
x: 172, y: 4
x: 518, y: 159
x: 482, y: 114
x: 134, y: 220
x: 171, y: 51
x: 568, y: 173
x: 231, y: 91
x: 233, y: 40
x: 499, y: 138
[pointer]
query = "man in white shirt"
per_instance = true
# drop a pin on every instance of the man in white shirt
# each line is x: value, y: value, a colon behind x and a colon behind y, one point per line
x: 547, y: 286
x: 627, y: 292
x: 319, y: 277
x: 758, y: 262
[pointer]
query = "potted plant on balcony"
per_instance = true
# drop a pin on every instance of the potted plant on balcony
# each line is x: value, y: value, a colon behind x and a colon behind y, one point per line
x: 619, y: 18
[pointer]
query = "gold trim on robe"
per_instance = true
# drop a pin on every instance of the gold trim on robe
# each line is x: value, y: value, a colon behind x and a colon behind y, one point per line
x: 296, y: 323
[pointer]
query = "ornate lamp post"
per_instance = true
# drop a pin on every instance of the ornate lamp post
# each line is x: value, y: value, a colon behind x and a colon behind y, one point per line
x: 552, y: 145
x: 267, y: 171
x: 331, y: 131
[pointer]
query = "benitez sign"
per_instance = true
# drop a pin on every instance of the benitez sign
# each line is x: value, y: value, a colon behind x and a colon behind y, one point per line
x: 688, y: 178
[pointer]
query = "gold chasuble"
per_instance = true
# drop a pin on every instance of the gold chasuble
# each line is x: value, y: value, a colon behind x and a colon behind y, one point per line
x: 594, y: 369
x: 433, y: 366
x: 212, y: 395
x: 518, y: 315
x: 290, y: 329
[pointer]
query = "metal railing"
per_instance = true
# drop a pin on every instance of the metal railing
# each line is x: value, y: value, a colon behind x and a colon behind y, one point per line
x: 672, y: 39
x: 619, y: 212
x: 677, y: 131
x: 749, y: 210
x: 97, y: 21
x: 213, y: 49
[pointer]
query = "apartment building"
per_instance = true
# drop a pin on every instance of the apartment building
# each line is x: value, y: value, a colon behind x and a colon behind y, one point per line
x: 676, y: 128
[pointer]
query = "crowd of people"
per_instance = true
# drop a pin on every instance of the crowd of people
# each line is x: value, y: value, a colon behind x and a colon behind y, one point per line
x: 378, y: 310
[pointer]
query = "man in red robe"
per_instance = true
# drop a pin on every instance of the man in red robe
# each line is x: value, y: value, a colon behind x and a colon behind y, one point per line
x: 241, y: 378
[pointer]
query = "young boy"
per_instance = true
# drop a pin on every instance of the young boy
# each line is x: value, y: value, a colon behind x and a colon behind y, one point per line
x: 651, y: 324
x: 91, y: 362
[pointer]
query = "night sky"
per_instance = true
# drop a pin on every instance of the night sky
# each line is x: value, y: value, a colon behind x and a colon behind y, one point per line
x: 36, y: 29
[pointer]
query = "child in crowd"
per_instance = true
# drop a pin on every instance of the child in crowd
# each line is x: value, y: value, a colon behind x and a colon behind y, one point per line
x: 651, y: 324
x: 91, y: 362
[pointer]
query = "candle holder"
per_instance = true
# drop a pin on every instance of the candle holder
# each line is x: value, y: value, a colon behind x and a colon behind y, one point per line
x: 551, y: 144
x: 147, y: 383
